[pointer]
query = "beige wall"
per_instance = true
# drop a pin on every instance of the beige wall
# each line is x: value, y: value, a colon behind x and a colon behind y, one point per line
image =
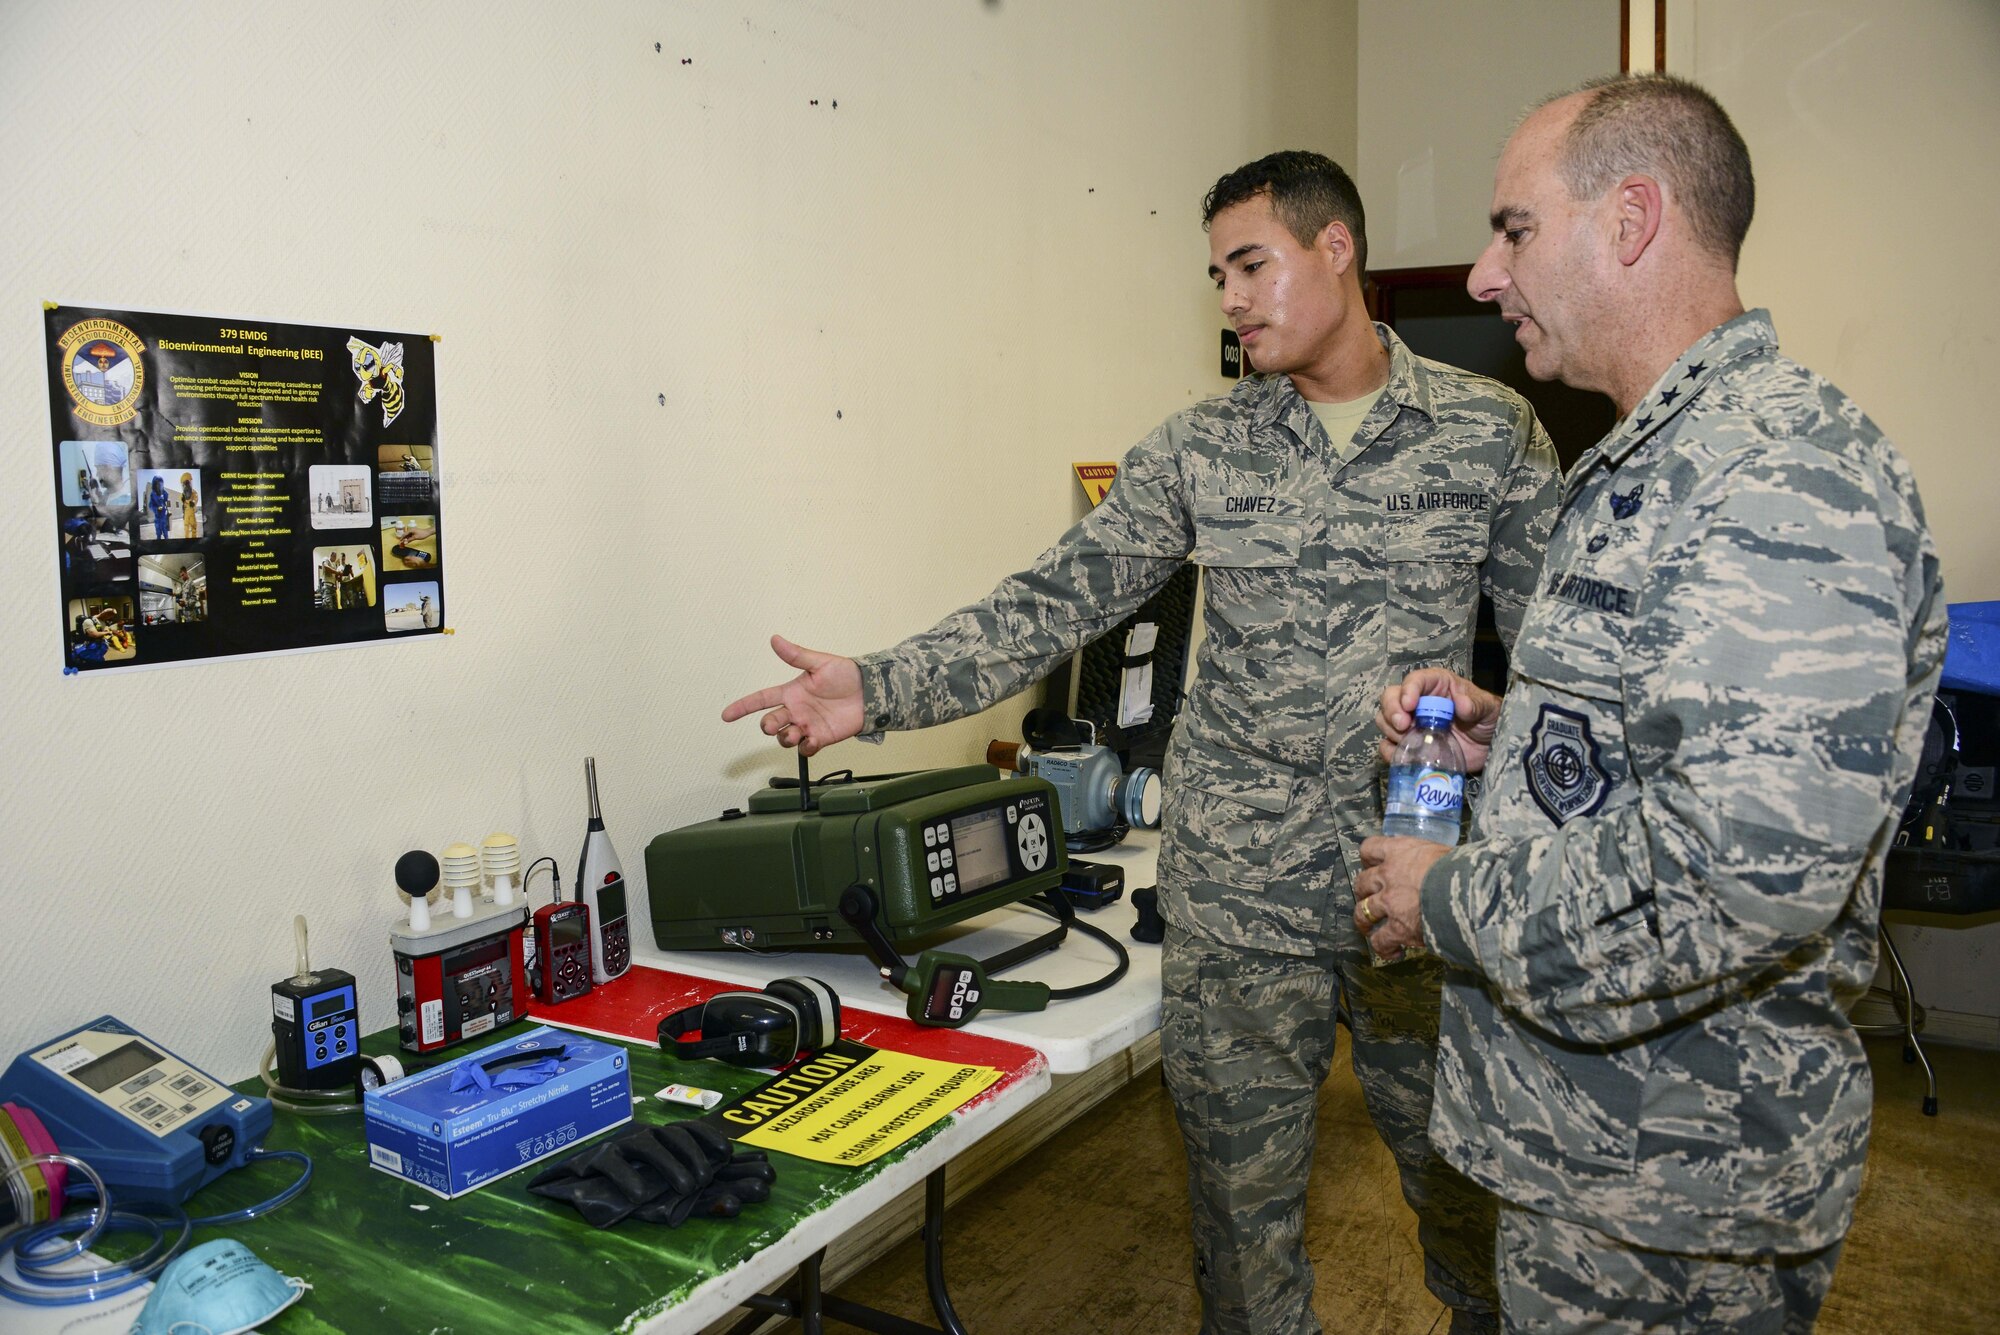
x: 1441, y: 83
x: 1873, y: 131
x: 881, y: 334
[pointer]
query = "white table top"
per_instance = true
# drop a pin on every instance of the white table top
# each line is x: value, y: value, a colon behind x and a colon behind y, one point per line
x: 1074, y: 1035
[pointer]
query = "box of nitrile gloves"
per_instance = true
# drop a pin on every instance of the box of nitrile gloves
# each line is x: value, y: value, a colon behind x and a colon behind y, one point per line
x: 457, y: 1126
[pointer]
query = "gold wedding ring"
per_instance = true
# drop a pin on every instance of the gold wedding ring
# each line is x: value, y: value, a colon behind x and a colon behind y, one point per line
x: 1368, y: 909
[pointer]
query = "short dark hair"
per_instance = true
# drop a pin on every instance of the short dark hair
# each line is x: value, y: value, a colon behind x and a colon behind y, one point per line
x: 1675, y: 131
x: 1307, y: 190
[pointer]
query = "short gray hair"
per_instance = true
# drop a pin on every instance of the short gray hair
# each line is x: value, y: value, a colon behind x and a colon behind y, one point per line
x: 1675, y: 131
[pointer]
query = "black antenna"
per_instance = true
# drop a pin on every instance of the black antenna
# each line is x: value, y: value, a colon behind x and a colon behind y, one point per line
x: 805, y: 784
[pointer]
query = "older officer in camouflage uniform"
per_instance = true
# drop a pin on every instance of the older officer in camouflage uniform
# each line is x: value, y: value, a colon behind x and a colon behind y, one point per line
x: 1334, y: 564
x: 1718, y: 702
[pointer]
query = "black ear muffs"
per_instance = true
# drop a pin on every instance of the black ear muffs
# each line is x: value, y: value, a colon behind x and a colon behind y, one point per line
x: 818, y: 1007
x: 760, y: 1029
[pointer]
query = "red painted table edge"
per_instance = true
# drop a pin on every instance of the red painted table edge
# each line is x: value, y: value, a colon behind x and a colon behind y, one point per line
x: 631, y: 1007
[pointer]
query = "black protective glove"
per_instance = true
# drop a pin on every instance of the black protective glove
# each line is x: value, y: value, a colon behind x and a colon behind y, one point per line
x: 744, y: 1180
x: 662, y: 1174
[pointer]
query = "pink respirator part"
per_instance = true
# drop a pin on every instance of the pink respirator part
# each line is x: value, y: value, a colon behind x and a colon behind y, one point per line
x: 22, y: 1134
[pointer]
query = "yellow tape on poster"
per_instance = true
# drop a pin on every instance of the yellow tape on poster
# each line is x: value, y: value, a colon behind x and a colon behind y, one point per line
x: 858, y: 1109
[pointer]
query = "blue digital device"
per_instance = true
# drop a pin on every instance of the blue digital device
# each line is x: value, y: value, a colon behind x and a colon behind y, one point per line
x: 333, y: 1023
x: 316, y: 1029
x: 154, y: 1127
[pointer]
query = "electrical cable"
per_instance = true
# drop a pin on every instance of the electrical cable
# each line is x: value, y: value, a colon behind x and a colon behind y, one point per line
x: 1088, y: 929
x: 839, y: 776
x: 1096, y: 841
x: 527, y: 881
x: 763, y: 954
x: 35, y: 1264
x: 528, y: 897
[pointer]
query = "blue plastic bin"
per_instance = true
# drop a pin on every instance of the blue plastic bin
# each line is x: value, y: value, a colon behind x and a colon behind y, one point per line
x: 1972, y: 653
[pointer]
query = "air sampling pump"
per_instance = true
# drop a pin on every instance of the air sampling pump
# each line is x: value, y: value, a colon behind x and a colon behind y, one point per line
x: 1099, y: 800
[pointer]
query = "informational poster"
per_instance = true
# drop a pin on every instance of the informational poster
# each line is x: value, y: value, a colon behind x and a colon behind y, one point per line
x: 229, y: 486
x: 851, y: 1104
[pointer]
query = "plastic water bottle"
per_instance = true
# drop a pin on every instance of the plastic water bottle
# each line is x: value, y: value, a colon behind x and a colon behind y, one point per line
x: 1427, y: 777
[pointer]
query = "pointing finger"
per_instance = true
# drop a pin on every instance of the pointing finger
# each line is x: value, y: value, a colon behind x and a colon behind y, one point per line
x: 769, y: 697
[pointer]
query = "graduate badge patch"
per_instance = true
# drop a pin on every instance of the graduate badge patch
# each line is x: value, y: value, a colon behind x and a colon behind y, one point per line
x: 1565, y: 773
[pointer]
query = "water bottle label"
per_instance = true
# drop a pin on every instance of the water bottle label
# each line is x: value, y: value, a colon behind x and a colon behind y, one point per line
x: 1440, y: 793
x: 1424, y: 792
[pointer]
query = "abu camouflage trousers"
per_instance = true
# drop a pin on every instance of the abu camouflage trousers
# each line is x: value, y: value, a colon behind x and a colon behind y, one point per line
x: 1558, y: 1276
x: 1247, y: 1038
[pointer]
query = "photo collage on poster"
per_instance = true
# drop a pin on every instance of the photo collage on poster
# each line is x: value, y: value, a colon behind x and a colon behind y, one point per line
x: 231, y: 487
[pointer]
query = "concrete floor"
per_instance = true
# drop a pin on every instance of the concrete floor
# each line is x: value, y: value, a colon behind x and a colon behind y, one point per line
x: 1089, y: 1233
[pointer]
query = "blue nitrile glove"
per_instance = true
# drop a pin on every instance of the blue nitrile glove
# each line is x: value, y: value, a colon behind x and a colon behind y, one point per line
x: 523, y: 1075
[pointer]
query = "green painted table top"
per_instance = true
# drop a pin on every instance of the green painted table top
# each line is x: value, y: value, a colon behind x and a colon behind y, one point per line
x: 383, y: 1255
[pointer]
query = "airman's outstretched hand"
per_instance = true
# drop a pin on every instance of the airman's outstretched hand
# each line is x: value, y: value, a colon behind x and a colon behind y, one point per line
x: 812, y: 711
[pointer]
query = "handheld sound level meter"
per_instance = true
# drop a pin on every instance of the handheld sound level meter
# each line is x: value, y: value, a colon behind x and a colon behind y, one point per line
x: 562, y: 952
x: 600, y: 884
x: 315, y: 1024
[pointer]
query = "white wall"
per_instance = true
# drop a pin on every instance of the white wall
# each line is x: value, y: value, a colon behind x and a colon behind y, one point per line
x: 1441, y: 83
x: 882, y: 332
x: 1873, y: 130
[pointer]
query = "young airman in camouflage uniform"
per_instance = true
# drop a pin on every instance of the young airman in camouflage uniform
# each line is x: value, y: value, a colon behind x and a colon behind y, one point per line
x: 1332, y: 567
x: 1718, y: 702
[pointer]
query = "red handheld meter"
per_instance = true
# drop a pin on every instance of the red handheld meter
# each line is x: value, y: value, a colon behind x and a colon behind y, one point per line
x: 562, y: 951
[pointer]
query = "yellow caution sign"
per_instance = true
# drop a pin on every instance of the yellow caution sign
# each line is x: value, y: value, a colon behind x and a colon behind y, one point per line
x: 850, y: 1105
x: 1096, y: 479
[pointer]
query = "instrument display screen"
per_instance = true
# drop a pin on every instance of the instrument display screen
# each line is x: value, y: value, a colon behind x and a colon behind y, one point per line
x: 117, y: 1066
x: 611, y: 901
x: 333, y: 1003
x: 979, y: 841
x: 566, y: 930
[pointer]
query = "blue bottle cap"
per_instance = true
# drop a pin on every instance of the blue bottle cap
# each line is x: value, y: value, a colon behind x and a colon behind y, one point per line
x: 1435, y: 711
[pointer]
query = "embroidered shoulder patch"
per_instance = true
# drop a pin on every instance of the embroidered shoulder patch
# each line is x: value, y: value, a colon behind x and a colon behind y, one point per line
x: 1565, y: 769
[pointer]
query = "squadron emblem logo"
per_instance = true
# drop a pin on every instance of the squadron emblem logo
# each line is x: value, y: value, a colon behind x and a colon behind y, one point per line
x: 102, y: 371
x: 1565, y: 773
x: 380, y: 371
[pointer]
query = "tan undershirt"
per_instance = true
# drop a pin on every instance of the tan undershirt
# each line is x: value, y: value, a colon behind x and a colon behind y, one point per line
x: 1342, y: 420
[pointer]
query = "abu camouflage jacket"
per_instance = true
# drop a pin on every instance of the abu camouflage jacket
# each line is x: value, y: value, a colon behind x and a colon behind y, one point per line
x: 1331, y: 568
x: 1718, y: 701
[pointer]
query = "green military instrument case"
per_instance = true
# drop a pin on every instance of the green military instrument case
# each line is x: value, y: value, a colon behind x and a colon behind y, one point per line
x: 771, y: 876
